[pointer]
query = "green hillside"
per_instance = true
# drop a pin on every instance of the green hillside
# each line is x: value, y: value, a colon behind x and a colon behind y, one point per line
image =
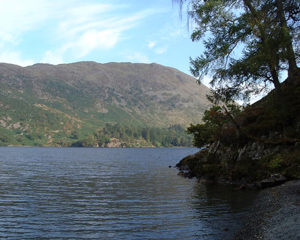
x: 47, y: 105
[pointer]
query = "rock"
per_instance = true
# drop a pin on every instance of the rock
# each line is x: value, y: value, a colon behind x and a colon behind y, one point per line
x: 266, y: 183
x: 186, y: 174
x: 214, y: 147
x: 257, y: 185
x: 252, y: 186
x: 278, y: 179
x: 292, y: 172
x: 184, y: 168
x: 274, y: 180
x: 181, y: 174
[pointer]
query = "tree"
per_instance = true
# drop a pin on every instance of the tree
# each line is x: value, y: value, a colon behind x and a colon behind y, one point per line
x: 213, y: 120
x: 248, y: 43
x: 90, y: 141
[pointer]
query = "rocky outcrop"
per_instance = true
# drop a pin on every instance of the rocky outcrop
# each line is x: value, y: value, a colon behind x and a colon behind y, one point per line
x: 263, y: 150
x: 254, y: 165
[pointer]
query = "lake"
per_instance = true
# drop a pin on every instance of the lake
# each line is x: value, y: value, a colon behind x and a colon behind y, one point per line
x: 111, y: 193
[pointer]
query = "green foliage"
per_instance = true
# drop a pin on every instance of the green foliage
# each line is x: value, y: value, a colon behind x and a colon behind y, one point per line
x: 29, y: 124
x: 213, y: 119
x: 4, y: 139
x: 90, y: 141
x: 248, y: 44
x: 48, y: 105
x: 276, y: 162
x: 202, y: 134
x: 132, y: 136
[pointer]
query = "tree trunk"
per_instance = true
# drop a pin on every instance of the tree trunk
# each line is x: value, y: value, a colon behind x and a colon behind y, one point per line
x: 238, y: 128
x: 293, y: 68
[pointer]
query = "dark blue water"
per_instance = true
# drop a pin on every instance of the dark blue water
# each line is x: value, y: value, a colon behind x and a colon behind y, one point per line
x: 95, y: 193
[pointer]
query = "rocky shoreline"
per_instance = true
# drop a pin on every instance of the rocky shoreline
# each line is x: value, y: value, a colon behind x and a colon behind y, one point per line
x: 274, y: 215
x: 242, y: 184
x: 256, y: 166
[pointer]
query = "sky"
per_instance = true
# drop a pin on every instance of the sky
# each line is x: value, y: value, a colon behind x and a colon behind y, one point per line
x: 67, y: 31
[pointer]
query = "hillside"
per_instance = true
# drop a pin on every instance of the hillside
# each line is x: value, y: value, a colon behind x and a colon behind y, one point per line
x: 49, y: 104
x: 264, y: 152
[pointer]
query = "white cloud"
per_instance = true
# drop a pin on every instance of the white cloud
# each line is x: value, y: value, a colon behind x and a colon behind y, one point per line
x: 53, y: 57
x: 93, y: 40
x: 83, y: 18
x: 138, y: 57
x: 72, y: 27
x: 95, y: 28
x: 174, y: 29
x: 15, y: 58
x: 83, y: 45
x: 161, y: 50
x: 151, y: 44
x: 18, y: 16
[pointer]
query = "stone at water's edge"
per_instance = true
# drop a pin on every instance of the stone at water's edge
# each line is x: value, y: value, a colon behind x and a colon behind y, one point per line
x: 207, y: 164
x: 274, y: 180
x: 274, y: 215
x: 265, y: 148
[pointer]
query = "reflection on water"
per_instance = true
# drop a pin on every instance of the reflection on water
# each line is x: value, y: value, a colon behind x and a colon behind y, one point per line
x: 72, y: 193
x: 220, y: 208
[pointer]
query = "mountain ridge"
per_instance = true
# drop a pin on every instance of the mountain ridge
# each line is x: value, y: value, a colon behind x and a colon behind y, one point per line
x: 84, y: 96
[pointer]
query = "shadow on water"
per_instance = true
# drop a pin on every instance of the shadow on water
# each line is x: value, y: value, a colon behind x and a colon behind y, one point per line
x: 220, y: 209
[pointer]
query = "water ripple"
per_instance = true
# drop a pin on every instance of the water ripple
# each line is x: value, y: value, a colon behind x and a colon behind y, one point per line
x: 56, y: 193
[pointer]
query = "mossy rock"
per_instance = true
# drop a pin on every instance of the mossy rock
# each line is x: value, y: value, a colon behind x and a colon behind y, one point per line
x: 292, y: 172
x: 190, y: 161
x: 198, y: 170
x: 212, y: 159
x: 194, y: 160
x: 211, y: 171
x: 248, y: 168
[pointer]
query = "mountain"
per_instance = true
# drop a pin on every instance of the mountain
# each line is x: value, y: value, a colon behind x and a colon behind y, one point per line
x: 46, y: 103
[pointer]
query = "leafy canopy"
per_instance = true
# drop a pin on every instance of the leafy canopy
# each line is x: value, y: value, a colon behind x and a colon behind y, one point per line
x: 248, y: 43
x: 213, y: 120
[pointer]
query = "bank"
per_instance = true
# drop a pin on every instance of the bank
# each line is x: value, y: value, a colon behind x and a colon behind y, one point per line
x: 274, y: 215
x: 263, y: 151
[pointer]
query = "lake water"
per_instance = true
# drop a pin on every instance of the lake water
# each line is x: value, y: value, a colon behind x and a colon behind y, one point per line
x: 98, y: 193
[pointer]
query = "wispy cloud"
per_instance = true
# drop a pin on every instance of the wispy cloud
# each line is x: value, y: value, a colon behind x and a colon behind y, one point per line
x: 15, y: 57
x: 81, y: 18
x: 19, y: 16
x: 138, y: 57
x: 151, y: 44
x: 53, y: 56
x: 174, y: 29
x: 71, y: 27
x: 96, y: 28
x: 161, y: 50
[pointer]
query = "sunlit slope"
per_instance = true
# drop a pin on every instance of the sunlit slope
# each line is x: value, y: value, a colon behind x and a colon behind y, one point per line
x: 52, y: 102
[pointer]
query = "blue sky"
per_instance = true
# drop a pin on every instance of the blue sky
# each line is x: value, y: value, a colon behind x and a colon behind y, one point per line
x: 66, y: 31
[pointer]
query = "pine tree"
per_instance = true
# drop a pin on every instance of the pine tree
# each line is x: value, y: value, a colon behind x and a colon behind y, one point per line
x: 248, y: 43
